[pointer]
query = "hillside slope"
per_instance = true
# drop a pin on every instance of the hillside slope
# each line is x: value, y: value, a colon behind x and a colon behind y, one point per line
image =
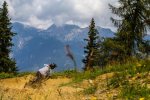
x: 56, y: 89
x: 14, y: 88
x: 130, y: 81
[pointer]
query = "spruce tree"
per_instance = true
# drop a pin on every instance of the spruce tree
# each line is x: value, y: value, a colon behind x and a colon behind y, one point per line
x: 135, y: 16
x: 7, y: 64
x: 91, y: 49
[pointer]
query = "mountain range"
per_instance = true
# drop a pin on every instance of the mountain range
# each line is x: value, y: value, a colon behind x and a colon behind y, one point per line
x: 34, y: 47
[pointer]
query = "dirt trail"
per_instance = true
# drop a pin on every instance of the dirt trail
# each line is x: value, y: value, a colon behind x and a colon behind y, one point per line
x: 54, y: 89
x: 51, y: 89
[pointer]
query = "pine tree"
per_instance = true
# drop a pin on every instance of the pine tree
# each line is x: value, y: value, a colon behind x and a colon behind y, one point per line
x: 7, y: 64
x: 135, y: 16
x: 91, y: 50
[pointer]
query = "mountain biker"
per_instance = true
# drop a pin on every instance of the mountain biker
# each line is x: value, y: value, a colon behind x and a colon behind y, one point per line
x: 44, y: 72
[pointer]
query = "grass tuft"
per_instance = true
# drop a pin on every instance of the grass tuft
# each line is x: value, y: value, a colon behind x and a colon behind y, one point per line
x: 90, y: 90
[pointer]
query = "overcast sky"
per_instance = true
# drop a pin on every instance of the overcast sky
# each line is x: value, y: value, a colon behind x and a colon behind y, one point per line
x: 43, y: 13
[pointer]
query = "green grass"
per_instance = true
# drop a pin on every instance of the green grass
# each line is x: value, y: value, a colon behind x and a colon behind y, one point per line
x: 66, y: 73
x: 24, y: 74
x: 135, y: 91
x: 6, y: 75
x: 77, y: 76
x: 129, y: 70
x: 12, y: 75
x: 136, y: 66
x: 86, y: 75
x: 90, y: 90
x: 128, y: 78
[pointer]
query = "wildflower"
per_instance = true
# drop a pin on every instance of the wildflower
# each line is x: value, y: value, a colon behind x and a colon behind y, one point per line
x: 138, y: 65
x: 93, y: 98
x: 141, y: 99
x: 133, y: 78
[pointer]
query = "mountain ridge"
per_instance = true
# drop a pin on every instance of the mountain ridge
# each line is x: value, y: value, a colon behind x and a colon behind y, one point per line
x: 35, y: 47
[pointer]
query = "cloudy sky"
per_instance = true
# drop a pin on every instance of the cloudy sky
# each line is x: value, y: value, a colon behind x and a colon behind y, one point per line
x: 43, y: 13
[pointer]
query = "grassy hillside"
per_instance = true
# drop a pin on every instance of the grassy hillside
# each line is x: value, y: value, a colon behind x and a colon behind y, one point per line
x: 130, y: 81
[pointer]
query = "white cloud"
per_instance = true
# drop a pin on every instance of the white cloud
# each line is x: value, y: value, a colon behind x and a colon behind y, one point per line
x: 42, y: 24
x: 42, y: 13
